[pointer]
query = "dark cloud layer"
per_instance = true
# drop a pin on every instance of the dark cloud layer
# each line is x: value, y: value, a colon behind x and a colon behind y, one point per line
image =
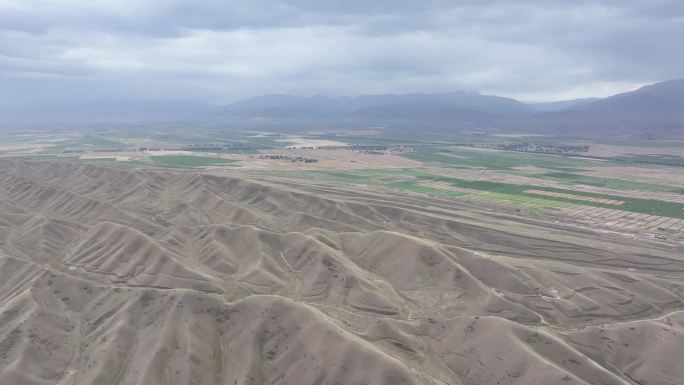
x: 219, y: 50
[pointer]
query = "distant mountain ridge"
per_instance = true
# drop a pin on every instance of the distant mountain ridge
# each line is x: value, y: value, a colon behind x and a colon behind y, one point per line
x: 666, y: 97
x: 391, y: 106
x: 656, y: 110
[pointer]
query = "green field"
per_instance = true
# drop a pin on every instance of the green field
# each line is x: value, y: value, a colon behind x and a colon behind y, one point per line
x: 494, y: 160
x: 85, y: 142
x: 188, y: 161
x: 666, y: 160
x: 246, y: 150
x: 612, y: 183
x: 645, y: 206
x: 409, y: 180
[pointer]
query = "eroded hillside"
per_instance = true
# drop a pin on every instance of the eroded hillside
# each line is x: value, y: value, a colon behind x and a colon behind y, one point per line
x: 113, y: 275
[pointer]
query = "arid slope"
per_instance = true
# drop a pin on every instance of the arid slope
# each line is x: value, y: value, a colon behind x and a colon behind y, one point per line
x: 122, y: 276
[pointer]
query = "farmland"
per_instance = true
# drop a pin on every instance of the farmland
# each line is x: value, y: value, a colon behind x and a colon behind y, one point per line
x: 188, y: 161
x: 499, y: 172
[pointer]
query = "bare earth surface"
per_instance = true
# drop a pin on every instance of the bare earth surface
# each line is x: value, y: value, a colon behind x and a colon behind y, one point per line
x: 114, y: 275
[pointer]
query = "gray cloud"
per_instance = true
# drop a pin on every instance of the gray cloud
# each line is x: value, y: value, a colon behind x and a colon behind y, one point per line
x: 220, y: 51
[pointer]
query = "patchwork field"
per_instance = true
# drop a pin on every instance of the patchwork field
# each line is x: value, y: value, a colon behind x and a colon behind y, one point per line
x: 574, y: 197
x: 533, y: 181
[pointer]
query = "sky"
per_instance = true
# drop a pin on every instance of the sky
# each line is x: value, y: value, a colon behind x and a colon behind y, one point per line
x: 220, y: 51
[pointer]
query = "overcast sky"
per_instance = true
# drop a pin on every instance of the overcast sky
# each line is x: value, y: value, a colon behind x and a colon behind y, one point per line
x: 222, y: 50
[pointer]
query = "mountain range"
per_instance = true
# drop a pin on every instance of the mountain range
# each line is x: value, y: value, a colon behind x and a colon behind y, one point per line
x: 656, y: 110
x: 459, y: 104
x: 652, y: 111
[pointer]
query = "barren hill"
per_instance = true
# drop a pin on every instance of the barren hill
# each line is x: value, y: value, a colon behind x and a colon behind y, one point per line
x: 138, y: 276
